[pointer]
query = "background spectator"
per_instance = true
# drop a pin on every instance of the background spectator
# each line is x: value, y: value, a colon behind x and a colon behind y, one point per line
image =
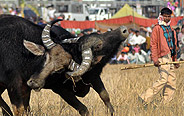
x: 138, y: 39
x: 132, y: 57
x: 123, y: 58
x: 136, y: 48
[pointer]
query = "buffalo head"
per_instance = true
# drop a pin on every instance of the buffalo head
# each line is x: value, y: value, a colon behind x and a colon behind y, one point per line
x: 56, y: 57
x: 95, y: 46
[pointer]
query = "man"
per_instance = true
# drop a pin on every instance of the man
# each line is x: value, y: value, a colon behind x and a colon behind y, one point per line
x: 137, y: 39
x: 163, y: 49
x: 127, y: 41
x: 132, y: 57
x: 142, y: 57
x: 131, y: 33
x: 123, y: 58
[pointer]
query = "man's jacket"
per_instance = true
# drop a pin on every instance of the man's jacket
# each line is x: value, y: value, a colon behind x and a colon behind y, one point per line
x: 159, y: 45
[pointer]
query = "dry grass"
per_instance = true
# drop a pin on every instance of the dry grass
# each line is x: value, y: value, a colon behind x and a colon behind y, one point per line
x: 123, y: 87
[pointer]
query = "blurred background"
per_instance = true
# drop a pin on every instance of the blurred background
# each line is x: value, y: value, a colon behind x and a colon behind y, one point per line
x: 146, y: 8
x: 82, y: 17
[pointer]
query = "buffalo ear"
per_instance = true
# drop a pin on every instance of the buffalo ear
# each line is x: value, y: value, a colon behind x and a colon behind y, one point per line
x: 34, y: 48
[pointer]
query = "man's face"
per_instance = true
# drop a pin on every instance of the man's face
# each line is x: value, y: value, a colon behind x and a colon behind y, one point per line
x: 178, y: 30
x: 166, y: 17
x: 130, y: 31
x: 133, y: 52
x: 137, y: 34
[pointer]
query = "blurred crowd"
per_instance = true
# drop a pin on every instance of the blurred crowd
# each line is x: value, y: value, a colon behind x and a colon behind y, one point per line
x: 136, y: 48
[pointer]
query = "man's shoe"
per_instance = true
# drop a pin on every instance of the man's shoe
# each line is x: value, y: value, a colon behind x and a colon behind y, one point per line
x: 143, y: 103
x: 154, y: 104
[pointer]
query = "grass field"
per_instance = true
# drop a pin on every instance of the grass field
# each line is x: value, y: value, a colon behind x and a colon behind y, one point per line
x: 123, y: 86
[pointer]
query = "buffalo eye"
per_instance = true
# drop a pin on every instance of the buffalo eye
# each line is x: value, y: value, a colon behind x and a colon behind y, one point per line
x: 98, y: 47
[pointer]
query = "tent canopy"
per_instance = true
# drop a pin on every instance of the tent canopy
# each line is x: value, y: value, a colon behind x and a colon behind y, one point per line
x: 126, y: 10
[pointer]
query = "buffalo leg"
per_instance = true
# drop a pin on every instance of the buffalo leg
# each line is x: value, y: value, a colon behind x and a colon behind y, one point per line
x: 15, y: 94
x: 98, y: 86
x: 20, y: 99
x: 26, y: 93
x: 72, y: 100
x: 5, y: 108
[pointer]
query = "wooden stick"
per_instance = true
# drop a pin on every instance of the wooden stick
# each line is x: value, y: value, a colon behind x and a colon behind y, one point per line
x: 149, y: 65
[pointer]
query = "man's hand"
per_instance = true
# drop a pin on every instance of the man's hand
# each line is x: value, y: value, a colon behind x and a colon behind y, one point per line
x: 176, y: 65
x: 157, y: 63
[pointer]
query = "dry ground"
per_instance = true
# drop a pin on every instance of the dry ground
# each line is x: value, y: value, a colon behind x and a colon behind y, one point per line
x: 123, y: 86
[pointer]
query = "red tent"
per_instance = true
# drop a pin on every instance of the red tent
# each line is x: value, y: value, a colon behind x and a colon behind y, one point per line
x: 118, y: 21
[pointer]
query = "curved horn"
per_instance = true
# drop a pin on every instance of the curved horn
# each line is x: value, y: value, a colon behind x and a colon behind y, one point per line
x: 85, y: 65
x: 70, y: 40
x: 47, y: 41
x: 73, y: 66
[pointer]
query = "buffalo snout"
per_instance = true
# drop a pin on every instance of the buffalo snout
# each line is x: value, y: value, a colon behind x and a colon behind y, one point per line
x: 36, y: 84
x: 124, y: 31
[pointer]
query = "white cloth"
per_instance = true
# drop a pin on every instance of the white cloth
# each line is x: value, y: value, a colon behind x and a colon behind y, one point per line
x: 141, y: 59
x: 149, y: 30
x: 131, y: 56
x: 125, y: 57
x: 143, y: 52
x: 137, y: 40
x: 129, y: 38
x: 161, y: 21
x: 51, y: 13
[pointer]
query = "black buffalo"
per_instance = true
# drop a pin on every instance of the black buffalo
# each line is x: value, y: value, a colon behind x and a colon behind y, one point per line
x: 92, y: 52
x: 17, y: 38
x: 105, y: 45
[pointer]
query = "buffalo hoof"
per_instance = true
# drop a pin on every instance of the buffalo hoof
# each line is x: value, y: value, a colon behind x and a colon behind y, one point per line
x: 84, y: 112
x: 37, y: 85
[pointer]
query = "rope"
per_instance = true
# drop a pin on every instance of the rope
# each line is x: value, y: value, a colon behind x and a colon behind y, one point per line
x: 73, y: 81
x: 150, y: 65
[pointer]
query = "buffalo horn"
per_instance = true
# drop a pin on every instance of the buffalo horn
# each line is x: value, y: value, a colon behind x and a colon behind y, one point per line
x: 47, y: 41
x: 71, y: 40
x: 85, y: 65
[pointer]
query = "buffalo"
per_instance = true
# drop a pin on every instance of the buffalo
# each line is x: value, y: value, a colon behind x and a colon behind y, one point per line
x: 21, y: 57
x: 85, y: 51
